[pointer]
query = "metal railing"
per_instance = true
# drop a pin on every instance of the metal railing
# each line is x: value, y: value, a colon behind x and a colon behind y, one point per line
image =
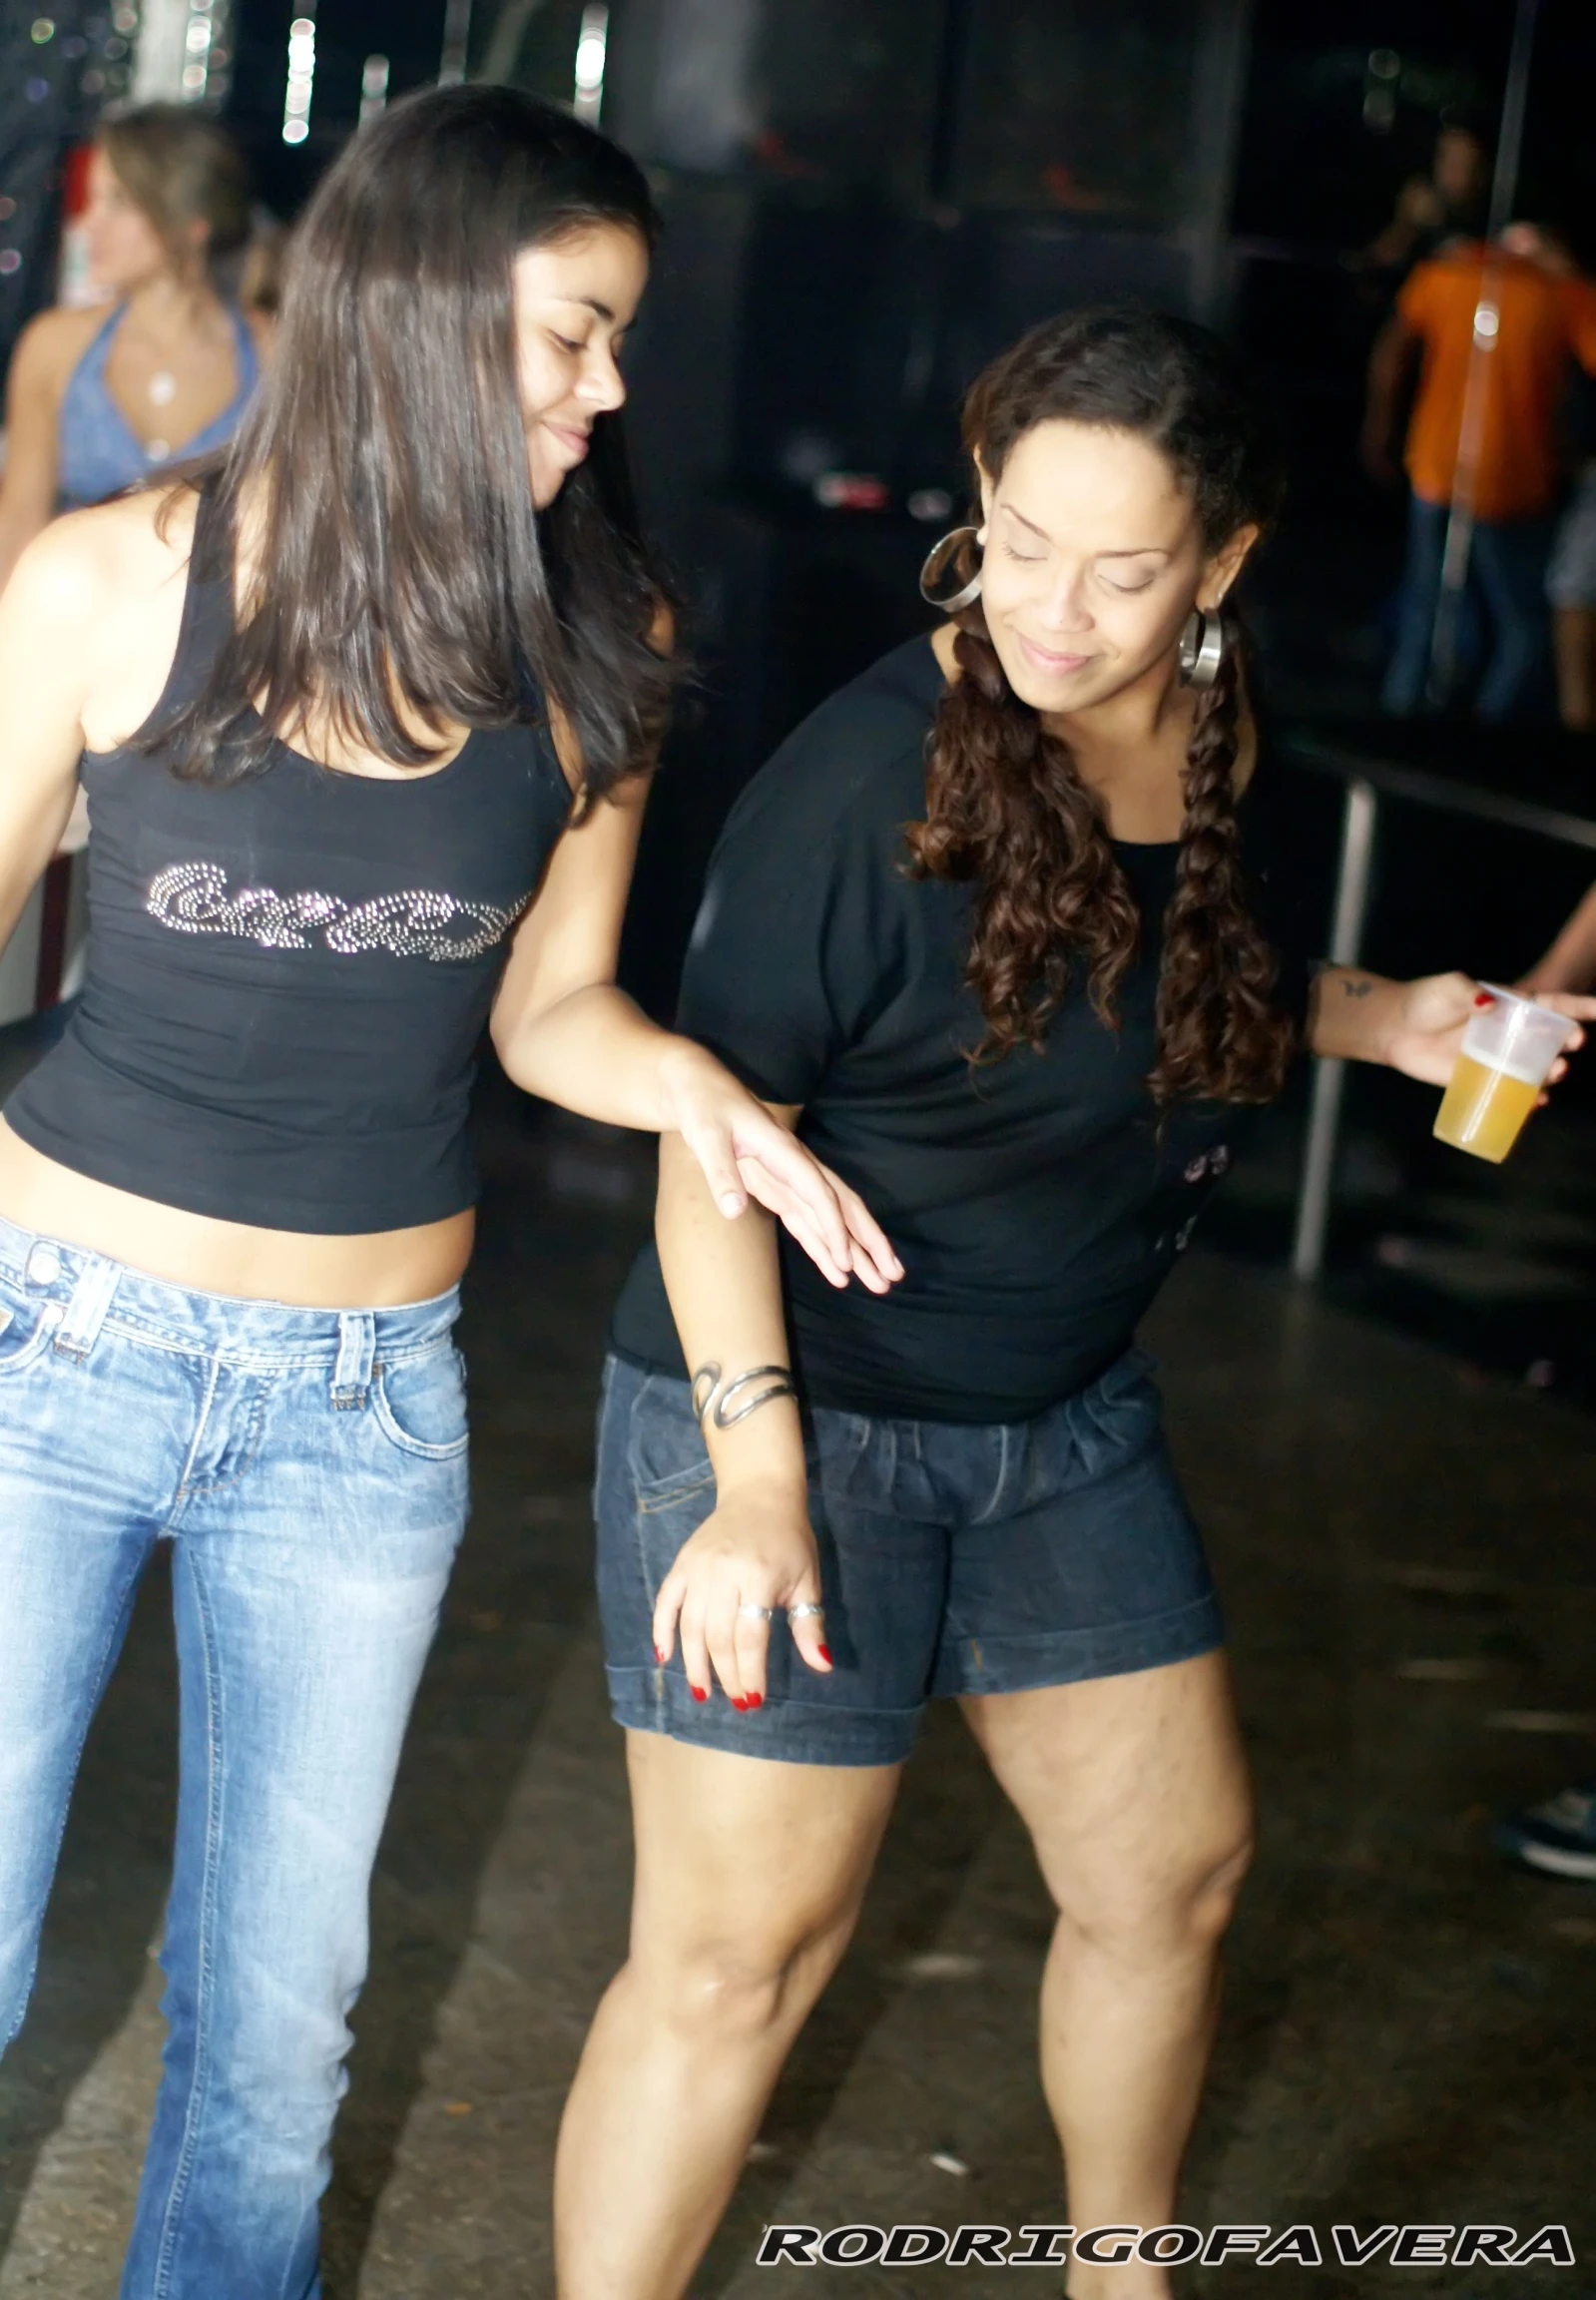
x: 1369, y: 781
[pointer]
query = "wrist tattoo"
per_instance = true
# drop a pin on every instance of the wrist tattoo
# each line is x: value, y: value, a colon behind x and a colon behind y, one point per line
x: 714, y: 1398
x: 1356, y: 988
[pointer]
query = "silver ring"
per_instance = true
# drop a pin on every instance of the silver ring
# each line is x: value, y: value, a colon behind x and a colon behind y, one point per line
x: 755, y: 1612
x: 804, y: 1612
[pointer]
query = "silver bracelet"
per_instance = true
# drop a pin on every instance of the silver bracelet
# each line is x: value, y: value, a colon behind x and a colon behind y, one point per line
x: 708, y: 1393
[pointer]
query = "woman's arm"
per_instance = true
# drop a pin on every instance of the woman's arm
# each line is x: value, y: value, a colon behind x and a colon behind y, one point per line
x: 1415, y: 1027
x: 56, y: 596
x: 756, y: 1548
x: 562, y: 1030
x: 33, y: 395
x: 1570, y: 964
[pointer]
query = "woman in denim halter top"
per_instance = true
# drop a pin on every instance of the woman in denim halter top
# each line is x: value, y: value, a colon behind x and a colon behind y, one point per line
x: 366, y: 718
x: 97, y: 401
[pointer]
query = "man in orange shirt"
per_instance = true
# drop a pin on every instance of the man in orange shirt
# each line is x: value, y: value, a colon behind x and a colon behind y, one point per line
x: 1531, y: 323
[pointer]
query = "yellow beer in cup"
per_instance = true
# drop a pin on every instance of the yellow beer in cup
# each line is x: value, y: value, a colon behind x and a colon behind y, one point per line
x: 1508, y: 1048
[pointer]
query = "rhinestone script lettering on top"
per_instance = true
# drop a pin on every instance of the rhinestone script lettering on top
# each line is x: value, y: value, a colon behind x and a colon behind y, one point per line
x: 194, y: 898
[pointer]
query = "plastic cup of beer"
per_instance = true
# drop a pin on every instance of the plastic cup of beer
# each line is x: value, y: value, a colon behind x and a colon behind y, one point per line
x: 1508, y: 1048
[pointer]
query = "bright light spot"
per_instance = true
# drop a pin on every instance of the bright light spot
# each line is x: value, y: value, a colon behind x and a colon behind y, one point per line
x: 1486, y: 320
x: 301, y: 79
x: 10, y: 260
x: 373, y: 86
x: 592, y: 45
x: 193, y: 79
x: 198, y: 37
x: 43, y: 30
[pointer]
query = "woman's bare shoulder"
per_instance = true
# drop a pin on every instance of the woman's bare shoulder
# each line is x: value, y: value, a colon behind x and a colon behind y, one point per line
x: 100, y: 573
x: 54, y: 341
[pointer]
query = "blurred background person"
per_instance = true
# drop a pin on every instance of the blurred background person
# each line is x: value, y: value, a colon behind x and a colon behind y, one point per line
x: 1558, y: 1835
x: 261, y: 270
x: 1571, y: 576
x: 1571, y: 591
x: 97, y: 400
x: 1545, y: 322
x: 1432, y: 209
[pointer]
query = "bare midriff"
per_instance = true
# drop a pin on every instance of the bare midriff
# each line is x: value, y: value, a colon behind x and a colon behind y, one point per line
x: 377, y: 1270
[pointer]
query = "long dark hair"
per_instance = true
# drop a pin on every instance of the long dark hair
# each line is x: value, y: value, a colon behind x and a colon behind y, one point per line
x: 384, y: 468
x: 1006, y: 805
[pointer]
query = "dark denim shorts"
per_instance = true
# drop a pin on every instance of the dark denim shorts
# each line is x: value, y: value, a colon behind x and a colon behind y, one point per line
x: 954, y: 1558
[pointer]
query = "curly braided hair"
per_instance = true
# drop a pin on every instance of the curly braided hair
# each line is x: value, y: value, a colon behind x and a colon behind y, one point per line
x: 1006, y: 805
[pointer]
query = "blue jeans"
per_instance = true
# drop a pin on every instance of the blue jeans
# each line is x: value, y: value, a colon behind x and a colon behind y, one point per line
x: 309, y: 1468
x: 1507, y: 584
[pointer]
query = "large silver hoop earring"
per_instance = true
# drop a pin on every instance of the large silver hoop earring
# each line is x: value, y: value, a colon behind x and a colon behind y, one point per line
x: 1201, y: 647
x: 938, y: 559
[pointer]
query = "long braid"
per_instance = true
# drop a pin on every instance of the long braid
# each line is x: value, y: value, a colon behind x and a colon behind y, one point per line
x: 1006, y: 807
x: 1218, y: 1031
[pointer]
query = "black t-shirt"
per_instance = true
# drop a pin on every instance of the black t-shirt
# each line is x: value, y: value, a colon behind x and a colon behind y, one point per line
x: 1035, y: 1202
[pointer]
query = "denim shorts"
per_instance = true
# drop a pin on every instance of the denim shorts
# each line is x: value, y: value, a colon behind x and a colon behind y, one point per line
x: 955, y: 1558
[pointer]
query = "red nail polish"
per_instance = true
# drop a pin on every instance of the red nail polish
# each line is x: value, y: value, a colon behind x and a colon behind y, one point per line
x: 1484, y: 998
x: 756, y: 1701
x: 739, y: 1704
x: 824, y: 1652
x: 659, y: 1655
x: 700, y: 1694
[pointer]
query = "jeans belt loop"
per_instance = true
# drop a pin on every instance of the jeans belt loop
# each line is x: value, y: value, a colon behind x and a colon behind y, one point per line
x: 357, y: 1343
x: 86, y: 1312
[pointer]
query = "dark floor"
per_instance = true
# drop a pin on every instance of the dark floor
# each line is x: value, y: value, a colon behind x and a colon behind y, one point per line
x: 1409, y: 1552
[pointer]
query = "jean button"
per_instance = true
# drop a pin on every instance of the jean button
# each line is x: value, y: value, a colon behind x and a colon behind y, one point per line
x: 44, y: 1265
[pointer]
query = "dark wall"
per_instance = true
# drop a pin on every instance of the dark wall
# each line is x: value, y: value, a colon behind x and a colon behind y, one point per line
x: 57, y: 69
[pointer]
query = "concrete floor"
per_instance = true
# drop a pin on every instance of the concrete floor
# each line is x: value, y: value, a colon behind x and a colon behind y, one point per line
x: 1408, y: 1556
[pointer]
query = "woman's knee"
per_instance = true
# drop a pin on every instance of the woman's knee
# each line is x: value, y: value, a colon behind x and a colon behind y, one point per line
x: 728, y: 1987
x: 1167, y: 1902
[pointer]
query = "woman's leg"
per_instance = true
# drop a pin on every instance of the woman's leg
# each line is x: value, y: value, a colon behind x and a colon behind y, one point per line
x: 1574, y: 644
x: 73, y: 1544
x: 749, y: 1876
x: 1134, y: 1789
x: 311, y: 1555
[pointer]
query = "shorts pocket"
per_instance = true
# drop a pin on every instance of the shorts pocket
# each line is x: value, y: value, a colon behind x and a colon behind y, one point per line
x: 1115, y: 1420
x: 420, y: 1404
x: 26, y: 1333
x: 665, y: 1455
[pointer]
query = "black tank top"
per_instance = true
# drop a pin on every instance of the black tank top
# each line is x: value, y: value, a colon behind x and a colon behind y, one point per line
x: 289, y: 976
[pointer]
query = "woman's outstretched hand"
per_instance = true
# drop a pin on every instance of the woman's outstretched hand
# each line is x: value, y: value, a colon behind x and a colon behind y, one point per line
x: 1426, y: 1029
x: 754, y: 1557
x: 745, y: 1153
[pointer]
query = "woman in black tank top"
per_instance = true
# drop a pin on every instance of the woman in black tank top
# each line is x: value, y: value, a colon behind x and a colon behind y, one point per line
x: 364, y: 719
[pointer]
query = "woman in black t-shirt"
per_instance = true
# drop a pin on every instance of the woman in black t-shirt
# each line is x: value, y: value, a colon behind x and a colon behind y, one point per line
x: 990, y: 931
